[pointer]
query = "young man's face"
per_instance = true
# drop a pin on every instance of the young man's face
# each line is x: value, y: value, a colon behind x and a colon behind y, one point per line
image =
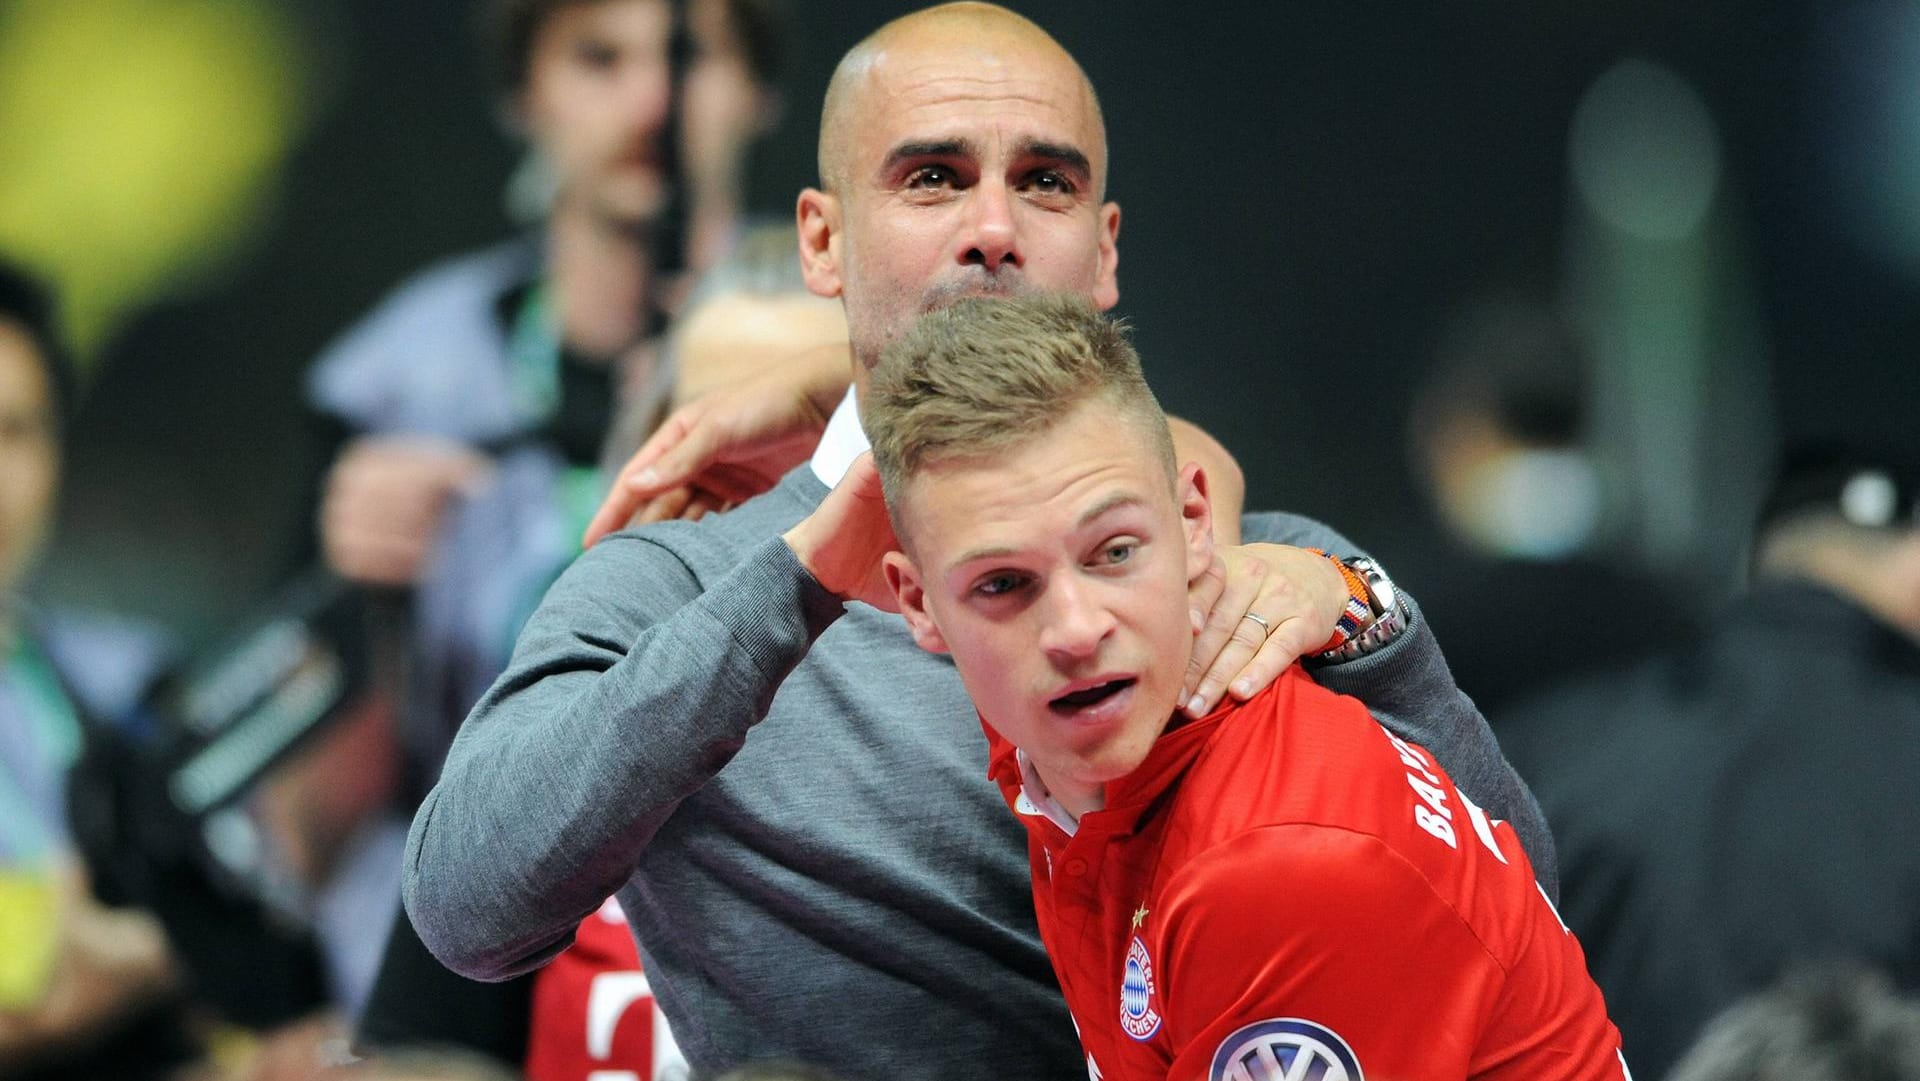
x: 29, y: 456
x: 970, y: 169
x: 1056, y: 574
x: 598, y: 91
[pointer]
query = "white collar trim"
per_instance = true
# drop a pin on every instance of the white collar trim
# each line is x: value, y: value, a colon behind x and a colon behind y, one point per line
x: 842, y: 442
x: 1034, y: 799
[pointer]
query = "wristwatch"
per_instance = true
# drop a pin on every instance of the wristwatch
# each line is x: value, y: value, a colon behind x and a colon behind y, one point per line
x: 1389, y: 613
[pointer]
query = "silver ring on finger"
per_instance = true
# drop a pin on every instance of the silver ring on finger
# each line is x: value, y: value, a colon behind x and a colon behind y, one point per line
x: 1266, y: 629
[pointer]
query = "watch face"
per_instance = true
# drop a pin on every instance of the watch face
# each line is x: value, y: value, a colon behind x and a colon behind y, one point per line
x: 1389, y: 616
x: 1384, y: 598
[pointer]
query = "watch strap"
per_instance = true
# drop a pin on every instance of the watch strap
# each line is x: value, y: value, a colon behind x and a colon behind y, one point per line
x: 1358, y: 612
x: 1380, y: 612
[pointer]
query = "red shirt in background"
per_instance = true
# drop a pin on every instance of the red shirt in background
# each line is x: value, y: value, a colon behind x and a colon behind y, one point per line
x: 593, y: 1015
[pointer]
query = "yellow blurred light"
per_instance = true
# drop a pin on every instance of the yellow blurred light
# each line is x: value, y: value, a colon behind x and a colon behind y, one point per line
x: 139, y: 142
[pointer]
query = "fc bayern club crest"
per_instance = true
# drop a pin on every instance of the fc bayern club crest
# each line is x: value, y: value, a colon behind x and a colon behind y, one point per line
x: 1137, y: 1016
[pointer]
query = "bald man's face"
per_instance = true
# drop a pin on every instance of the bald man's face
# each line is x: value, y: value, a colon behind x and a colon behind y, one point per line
x: 964, y: 167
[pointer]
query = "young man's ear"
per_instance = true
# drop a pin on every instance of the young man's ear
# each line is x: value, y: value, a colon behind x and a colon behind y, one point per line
x: 817, y: 214
x: 1196, y: 515
x: 904, y: 579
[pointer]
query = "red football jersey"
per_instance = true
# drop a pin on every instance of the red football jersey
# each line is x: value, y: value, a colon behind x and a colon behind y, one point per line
x: 593, y: 1017
x: 1284, y: 889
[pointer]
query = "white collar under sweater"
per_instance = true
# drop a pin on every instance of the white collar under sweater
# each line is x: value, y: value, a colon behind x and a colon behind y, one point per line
x: 842, y: 442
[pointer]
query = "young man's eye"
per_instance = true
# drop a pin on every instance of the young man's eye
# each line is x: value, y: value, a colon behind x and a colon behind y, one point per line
x: 999, y: 585
x: 1118, y: 552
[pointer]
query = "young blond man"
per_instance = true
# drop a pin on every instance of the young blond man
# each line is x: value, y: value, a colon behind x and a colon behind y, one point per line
x: 1280, y: 889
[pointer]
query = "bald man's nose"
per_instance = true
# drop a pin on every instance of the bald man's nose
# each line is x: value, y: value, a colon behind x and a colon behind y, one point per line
x: 992, y: 238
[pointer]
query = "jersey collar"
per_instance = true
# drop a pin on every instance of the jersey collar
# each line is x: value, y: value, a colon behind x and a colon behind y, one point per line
x: 1130, y: 798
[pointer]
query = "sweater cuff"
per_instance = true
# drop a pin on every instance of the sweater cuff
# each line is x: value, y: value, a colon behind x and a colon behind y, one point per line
x: 1410, y: 661
x: 772, y: 606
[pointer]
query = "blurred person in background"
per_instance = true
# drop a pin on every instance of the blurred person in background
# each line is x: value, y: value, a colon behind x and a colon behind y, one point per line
x: 1522, y: 579
x: 534, y: 339
x: 676, y: 93
x: 1726, y: 810
x: 85, y: 990
x: 1823, y: 1023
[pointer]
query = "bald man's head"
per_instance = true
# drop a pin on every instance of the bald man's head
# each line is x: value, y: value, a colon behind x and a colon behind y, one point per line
x: 962, y: 153
x: 985, y: 33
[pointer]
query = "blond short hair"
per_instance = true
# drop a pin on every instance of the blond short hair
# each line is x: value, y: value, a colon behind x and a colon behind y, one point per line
x: 985, y: 375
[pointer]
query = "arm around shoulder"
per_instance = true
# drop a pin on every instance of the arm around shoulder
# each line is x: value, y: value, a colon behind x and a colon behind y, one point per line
x: 1408, y: 687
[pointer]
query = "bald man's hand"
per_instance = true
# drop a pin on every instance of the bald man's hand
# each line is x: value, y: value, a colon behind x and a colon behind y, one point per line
x: 845, y: 540
x: 1298, y: 596
x: 731, y: 444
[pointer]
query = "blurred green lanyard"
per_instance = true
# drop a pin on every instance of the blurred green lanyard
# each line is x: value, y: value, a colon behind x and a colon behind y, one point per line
x: 533, y: 351
x: 30, y: 873
x: 52, y: 737
x: 533, y: 356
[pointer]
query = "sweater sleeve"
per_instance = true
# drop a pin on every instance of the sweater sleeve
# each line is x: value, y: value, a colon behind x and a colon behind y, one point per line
x: 1408, y: 687
x: 630, y: 687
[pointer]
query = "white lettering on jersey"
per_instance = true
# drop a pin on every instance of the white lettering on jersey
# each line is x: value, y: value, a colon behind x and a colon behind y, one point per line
x: 1435, y: 825
x: 1481, y: 826
x: 1413, y: 757
x: 1432, y: 796
x: 1435, y: 818
x: 1564, y: 929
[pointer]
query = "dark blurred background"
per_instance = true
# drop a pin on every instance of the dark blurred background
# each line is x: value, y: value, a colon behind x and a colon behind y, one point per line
x: 1714, y: 207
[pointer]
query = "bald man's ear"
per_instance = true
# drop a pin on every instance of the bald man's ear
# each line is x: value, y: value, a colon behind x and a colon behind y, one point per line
x: 1106, y: 287
x: 818, y: 215
x: 904, y: 578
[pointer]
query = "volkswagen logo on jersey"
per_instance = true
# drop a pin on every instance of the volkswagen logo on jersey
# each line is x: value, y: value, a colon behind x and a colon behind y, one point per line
x: 1137, y: 1015
x: 1284, y: 1047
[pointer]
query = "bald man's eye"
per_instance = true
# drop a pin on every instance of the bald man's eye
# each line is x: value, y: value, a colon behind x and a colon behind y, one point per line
x: 1051, y: 182
x: 931, y: 178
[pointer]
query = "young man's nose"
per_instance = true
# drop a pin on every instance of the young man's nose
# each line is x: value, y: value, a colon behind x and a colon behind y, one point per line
x: 1076, y: 624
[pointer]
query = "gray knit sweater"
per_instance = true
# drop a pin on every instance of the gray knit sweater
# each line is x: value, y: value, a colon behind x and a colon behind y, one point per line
x: 791, y: 801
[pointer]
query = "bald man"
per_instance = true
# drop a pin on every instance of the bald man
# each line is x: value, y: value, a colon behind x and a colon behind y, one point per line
x: 787, y: 796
